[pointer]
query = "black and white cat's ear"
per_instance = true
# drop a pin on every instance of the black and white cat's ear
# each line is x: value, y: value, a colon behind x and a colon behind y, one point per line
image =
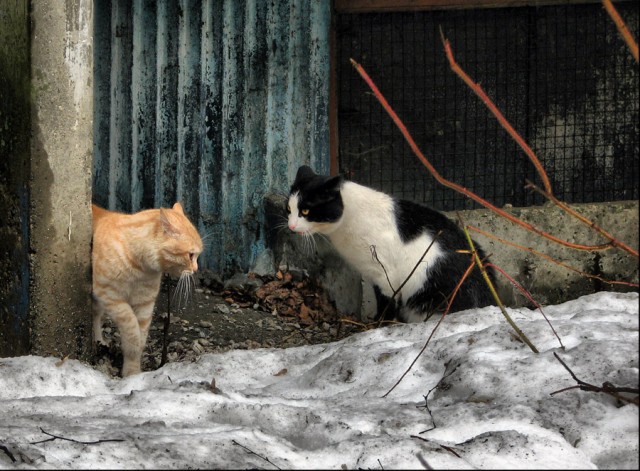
x: 333, y: 183
x: 305, y: 173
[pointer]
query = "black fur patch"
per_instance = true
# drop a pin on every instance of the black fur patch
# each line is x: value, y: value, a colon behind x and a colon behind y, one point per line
x: 318, y: 194
x: 413, y: 220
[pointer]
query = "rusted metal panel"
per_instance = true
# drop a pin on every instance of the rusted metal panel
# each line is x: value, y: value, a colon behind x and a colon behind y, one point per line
x: 213, y: 103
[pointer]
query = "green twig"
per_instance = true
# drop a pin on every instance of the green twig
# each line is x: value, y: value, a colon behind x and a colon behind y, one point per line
x: 487, y: 279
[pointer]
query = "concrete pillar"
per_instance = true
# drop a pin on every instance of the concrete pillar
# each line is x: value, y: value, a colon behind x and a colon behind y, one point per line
x: 61, y: 165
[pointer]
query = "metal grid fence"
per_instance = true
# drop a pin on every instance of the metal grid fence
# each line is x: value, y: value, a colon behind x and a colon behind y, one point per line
x: 561, y: 75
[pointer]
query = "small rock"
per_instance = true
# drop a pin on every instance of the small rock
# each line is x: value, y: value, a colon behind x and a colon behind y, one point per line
x: 223, y: 308
x: 196, y: 347
x: 206, y: 324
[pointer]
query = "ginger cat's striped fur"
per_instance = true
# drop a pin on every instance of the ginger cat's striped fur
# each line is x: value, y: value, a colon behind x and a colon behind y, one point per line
x: 129, y: 255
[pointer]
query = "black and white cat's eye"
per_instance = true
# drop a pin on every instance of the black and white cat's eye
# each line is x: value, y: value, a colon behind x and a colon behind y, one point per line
x: 304, y: 212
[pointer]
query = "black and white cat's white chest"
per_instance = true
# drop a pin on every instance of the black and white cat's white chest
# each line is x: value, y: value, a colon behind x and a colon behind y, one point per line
x: 384, y: 238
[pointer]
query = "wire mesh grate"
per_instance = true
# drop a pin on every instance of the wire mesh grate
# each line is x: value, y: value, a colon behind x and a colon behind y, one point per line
x: 562, y: 76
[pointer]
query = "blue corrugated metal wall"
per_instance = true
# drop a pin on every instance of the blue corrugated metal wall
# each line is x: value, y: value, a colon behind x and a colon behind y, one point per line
x: 212, y: 103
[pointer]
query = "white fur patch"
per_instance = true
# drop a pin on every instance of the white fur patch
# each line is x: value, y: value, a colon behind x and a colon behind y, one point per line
x: 367, y: 237
x: 367, y: 226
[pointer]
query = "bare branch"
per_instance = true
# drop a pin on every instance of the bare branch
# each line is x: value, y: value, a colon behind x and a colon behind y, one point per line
x: 56, y: 437
x: 505, y: 314
x: 415, y: 267
x: 8, y: 453
x: 622, y: 28
x: 529, y: 297
x: 568, y: 209
x: 426, y: 398
x: 254, y: 453
x: 607, y: 387
x: 454, y: 186
x: 551, y: 259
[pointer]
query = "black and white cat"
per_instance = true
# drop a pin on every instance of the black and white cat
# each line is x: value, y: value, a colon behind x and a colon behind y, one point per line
x: 383, y: 238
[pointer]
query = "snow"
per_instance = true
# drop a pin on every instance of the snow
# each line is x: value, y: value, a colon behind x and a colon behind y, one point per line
x: 324, y: 406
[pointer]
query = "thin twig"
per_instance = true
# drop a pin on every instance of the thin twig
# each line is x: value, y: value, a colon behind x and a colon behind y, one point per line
x: 528, y: 296
x: 444, y: 447
x: 374, y: 255
x: 56, y: 437
x: 492, y: 288
x: 254, y: 453
x: 415, y: 267
x: 477, y: 89
x: 607, y: 387
x: 426, y: 398
x: 455, y: 291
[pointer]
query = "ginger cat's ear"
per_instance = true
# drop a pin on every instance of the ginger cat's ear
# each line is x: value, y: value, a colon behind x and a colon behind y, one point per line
x: 178, y: 207
x: 168, y: 228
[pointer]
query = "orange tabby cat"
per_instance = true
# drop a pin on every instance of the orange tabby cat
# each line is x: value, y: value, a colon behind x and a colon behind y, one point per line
x: 129, y: 255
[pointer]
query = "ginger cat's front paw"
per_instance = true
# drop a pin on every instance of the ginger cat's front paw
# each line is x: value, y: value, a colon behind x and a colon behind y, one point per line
x: 130, y: 370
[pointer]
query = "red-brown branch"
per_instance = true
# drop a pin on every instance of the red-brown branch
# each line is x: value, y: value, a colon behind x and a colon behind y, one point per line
x: 477, y: 89
x: 622, y: 28
x: 548, y: 192
x: 588, y: 222
x: 551, y: 259
x: 526, y: 293
x: 454, y: 186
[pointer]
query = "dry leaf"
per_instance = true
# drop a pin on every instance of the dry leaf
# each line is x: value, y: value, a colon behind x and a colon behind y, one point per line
x: 61, y: 362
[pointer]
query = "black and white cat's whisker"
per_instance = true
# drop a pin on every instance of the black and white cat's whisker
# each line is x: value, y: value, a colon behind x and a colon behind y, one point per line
x: 308, y: 242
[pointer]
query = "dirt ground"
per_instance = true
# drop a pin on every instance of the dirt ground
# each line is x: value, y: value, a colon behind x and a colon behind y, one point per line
x: 245, y: 312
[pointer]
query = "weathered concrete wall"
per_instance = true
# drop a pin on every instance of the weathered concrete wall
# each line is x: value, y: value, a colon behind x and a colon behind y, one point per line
x: 548, y: 282
x: 14, y: 177
x: 61, y: 150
